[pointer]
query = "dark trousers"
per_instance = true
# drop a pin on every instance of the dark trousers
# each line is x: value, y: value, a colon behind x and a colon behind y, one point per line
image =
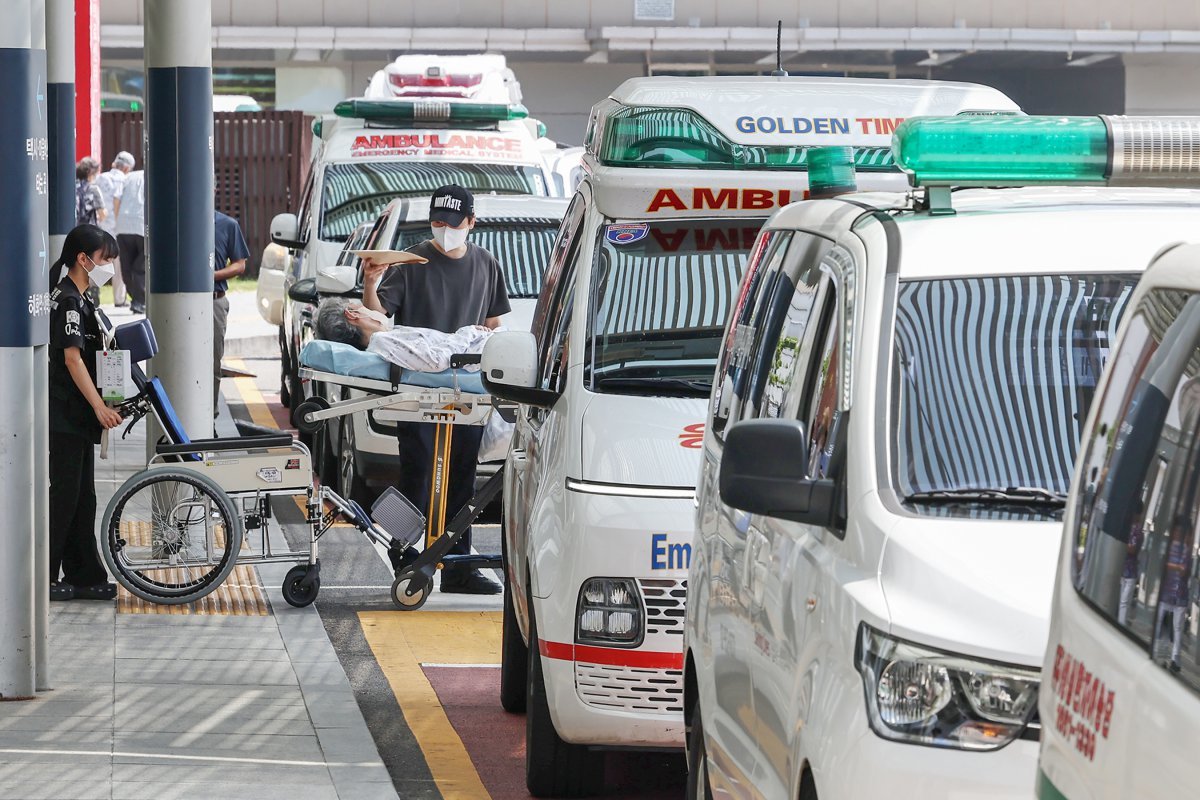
x: 416, y: 469
x: 73, y: 511
x: 133, y: 265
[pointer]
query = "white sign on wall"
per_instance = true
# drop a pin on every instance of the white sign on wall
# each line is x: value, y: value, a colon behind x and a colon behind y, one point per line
x: 654, y: 10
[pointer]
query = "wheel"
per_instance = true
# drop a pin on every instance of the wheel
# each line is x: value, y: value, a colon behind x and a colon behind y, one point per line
x: 170, y: 535
x: 309, y: 406
x: 405, y: 581
x: 350, y: 484
x: 698, y: 787
x: 514, y: 657
x: 324, y: 459
x: 295, y: 592
x: 285, y: 365
x: 553, y: 768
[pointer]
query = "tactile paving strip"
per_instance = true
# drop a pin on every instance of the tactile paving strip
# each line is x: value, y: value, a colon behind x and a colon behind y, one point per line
x: 240, y: 595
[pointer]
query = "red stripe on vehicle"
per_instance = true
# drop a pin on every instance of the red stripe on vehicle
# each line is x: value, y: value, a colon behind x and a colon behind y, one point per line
x: 610, y: 656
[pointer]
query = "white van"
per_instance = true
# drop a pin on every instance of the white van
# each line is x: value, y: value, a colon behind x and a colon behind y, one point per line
x: 598, y: 500
x: 358, y: 455
x: 894, y: 423
x: 372, y: 151
x: 1121, y: 699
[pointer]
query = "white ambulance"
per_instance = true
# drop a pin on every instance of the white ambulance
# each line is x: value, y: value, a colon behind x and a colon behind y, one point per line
x: 374, y: 150
x: 679, y: 177
x: 1120, y: 699
x: 896, y: 415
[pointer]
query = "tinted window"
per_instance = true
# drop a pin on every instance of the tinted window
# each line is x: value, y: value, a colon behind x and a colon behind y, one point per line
x: 355, y: 193
x: 521, y: 246
x: 1135, y: 542
x: 993, y: 377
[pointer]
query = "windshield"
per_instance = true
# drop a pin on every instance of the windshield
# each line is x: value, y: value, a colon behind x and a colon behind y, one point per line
x: 992, y: 381
x: 355, y: 193
x: 521, y: 246
x: 661, y: 294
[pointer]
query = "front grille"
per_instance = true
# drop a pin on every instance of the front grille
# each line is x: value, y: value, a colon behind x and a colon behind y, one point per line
x: 634, y: 689
x: 665, y: 602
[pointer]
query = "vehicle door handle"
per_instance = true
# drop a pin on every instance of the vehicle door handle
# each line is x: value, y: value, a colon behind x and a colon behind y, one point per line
x: 519, y: 456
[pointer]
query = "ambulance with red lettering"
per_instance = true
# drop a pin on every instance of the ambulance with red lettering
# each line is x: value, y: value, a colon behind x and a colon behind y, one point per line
x: 426, y: 121
x: 680, y: 175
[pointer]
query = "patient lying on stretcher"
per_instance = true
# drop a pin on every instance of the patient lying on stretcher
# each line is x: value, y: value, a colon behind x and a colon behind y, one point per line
x: 348, y: 322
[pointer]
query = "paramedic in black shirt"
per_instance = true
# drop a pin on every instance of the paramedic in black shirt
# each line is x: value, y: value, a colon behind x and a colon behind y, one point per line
x: 77, y: 415
x: 460, y: 285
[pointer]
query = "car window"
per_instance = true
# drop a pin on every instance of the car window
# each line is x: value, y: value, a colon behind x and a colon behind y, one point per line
x: 819, y: 408
x: 558, y: 299
x: 1135, y: 557
x: 563, y: 249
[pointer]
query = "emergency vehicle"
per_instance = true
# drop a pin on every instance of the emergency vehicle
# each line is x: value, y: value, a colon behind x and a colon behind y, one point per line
x: 372, y: 150
x: 680, y: 174
x: 1120, y: 699
x: 894, y: 424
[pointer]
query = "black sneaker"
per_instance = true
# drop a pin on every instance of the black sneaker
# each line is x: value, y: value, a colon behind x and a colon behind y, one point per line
x: 468, y: 581
x: 99, y: 591
x: 61, y: 591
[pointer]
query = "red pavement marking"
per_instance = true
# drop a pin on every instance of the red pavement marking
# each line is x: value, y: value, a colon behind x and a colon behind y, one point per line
x: 495, y: 741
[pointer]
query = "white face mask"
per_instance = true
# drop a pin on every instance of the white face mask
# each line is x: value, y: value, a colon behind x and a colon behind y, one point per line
x: 451, y: 238
x: 100, y: 274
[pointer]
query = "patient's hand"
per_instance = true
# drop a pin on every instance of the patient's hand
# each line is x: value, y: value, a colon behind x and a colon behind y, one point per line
x: 367, y: 325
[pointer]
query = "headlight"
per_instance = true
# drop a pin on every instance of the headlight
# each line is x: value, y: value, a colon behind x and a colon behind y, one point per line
x: 609, y: 612
x: 923, y: 696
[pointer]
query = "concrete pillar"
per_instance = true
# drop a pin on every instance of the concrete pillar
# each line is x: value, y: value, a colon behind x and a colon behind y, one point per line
x: 24, y: 333
x: 179, y: 204
x: 60, y: 119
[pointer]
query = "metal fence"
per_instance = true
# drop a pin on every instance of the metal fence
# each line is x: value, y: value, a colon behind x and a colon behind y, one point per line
x: 260, y: 158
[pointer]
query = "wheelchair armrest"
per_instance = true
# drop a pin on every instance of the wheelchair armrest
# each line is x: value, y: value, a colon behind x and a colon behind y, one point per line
x: 222, y: 445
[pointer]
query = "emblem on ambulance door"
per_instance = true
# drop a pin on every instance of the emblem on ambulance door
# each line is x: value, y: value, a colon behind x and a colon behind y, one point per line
x: 626, y: 233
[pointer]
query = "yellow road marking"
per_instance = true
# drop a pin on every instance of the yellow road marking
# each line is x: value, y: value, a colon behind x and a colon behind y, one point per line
x: 401, y: 642
x: 251, y: 397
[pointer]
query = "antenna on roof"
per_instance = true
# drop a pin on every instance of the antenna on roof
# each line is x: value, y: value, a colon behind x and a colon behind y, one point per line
x: 779, y: 71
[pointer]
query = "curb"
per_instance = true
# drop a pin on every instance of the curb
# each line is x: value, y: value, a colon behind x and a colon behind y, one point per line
x: 264, y: 346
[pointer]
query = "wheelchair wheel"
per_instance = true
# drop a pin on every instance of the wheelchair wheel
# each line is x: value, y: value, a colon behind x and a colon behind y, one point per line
x: 409, y: 581
x: 307, y: 407
x: 295, y: 592
x: 170, y: 535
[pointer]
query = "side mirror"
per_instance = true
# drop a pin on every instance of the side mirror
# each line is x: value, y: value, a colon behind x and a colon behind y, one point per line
x: 305, y: 291
x: 336, y: 280
x: 764, y: 471
x: 509, y: 369
x: 285, y: 231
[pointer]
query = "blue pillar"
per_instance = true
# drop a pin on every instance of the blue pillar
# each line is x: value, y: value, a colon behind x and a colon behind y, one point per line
x: 179, y: 203
x: 24, y: 333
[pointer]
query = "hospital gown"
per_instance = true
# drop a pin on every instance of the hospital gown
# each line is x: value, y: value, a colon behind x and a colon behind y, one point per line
x: 426, y: 349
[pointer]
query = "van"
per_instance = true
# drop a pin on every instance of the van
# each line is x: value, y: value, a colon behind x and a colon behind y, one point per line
x: 680, y: 174
x: 891, y: 436
x: 371, y: 151
x: 1121, y: 694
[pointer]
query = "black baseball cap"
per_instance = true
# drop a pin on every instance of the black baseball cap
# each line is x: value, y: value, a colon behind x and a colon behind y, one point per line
x: 451, y: 205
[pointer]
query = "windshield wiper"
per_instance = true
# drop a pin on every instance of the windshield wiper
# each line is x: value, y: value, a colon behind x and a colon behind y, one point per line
x: 691, y: 387
x: 1013, y: 494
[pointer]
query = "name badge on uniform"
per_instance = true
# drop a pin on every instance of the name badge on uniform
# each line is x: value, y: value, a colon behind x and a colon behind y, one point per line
x: 112, y: 374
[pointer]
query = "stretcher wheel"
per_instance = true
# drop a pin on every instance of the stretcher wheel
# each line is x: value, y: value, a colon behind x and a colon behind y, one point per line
x: 309, y: 406
x: 295, y: 592
x: 420, y: 587
x: 170, y: 535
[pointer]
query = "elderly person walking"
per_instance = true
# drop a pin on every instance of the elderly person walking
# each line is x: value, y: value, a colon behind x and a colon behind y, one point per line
x: 110, y: 184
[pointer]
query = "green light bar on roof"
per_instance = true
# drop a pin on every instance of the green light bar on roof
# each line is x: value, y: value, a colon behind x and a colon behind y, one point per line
x: 427, y: 110
x: 1024, y: 151
x: 680, y: 138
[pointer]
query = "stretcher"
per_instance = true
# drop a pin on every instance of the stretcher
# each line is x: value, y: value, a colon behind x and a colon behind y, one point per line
x: 174, y: 532
x: 444, y: 399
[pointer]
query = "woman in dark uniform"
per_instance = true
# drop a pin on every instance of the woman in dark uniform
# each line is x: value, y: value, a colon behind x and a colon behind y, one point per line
x: 77, y: 415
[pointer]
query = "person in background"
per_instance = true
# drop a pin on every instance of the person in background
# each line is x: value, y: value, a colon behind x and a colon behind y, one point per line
x: 460, y: 285
x: 230, y: 254
x: 130, y: 208
x: 110, y: 183
x: 78, y: 415
x: 89, y: 204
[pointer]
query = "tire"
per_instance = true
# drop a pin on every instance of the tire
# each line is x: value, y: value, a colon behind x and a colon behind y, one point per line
x: 285, y: 368
x: 324, y: 459
x: 170, y: 535
x: 295, y: 593
x: 401, y: 585
x: 553, y: 768
x: 808, y: 786
x: 350, y: 484
x: 698, y: 786
x: 514, y: 658
x: 311, y: 405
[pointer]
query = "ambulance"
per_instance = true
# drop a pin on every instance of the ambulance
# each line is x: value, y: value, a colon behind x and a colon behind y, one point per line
x: 1120, y: 693
x: 894, y: 425
x: 680, y: 174
x: 432, y: 127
